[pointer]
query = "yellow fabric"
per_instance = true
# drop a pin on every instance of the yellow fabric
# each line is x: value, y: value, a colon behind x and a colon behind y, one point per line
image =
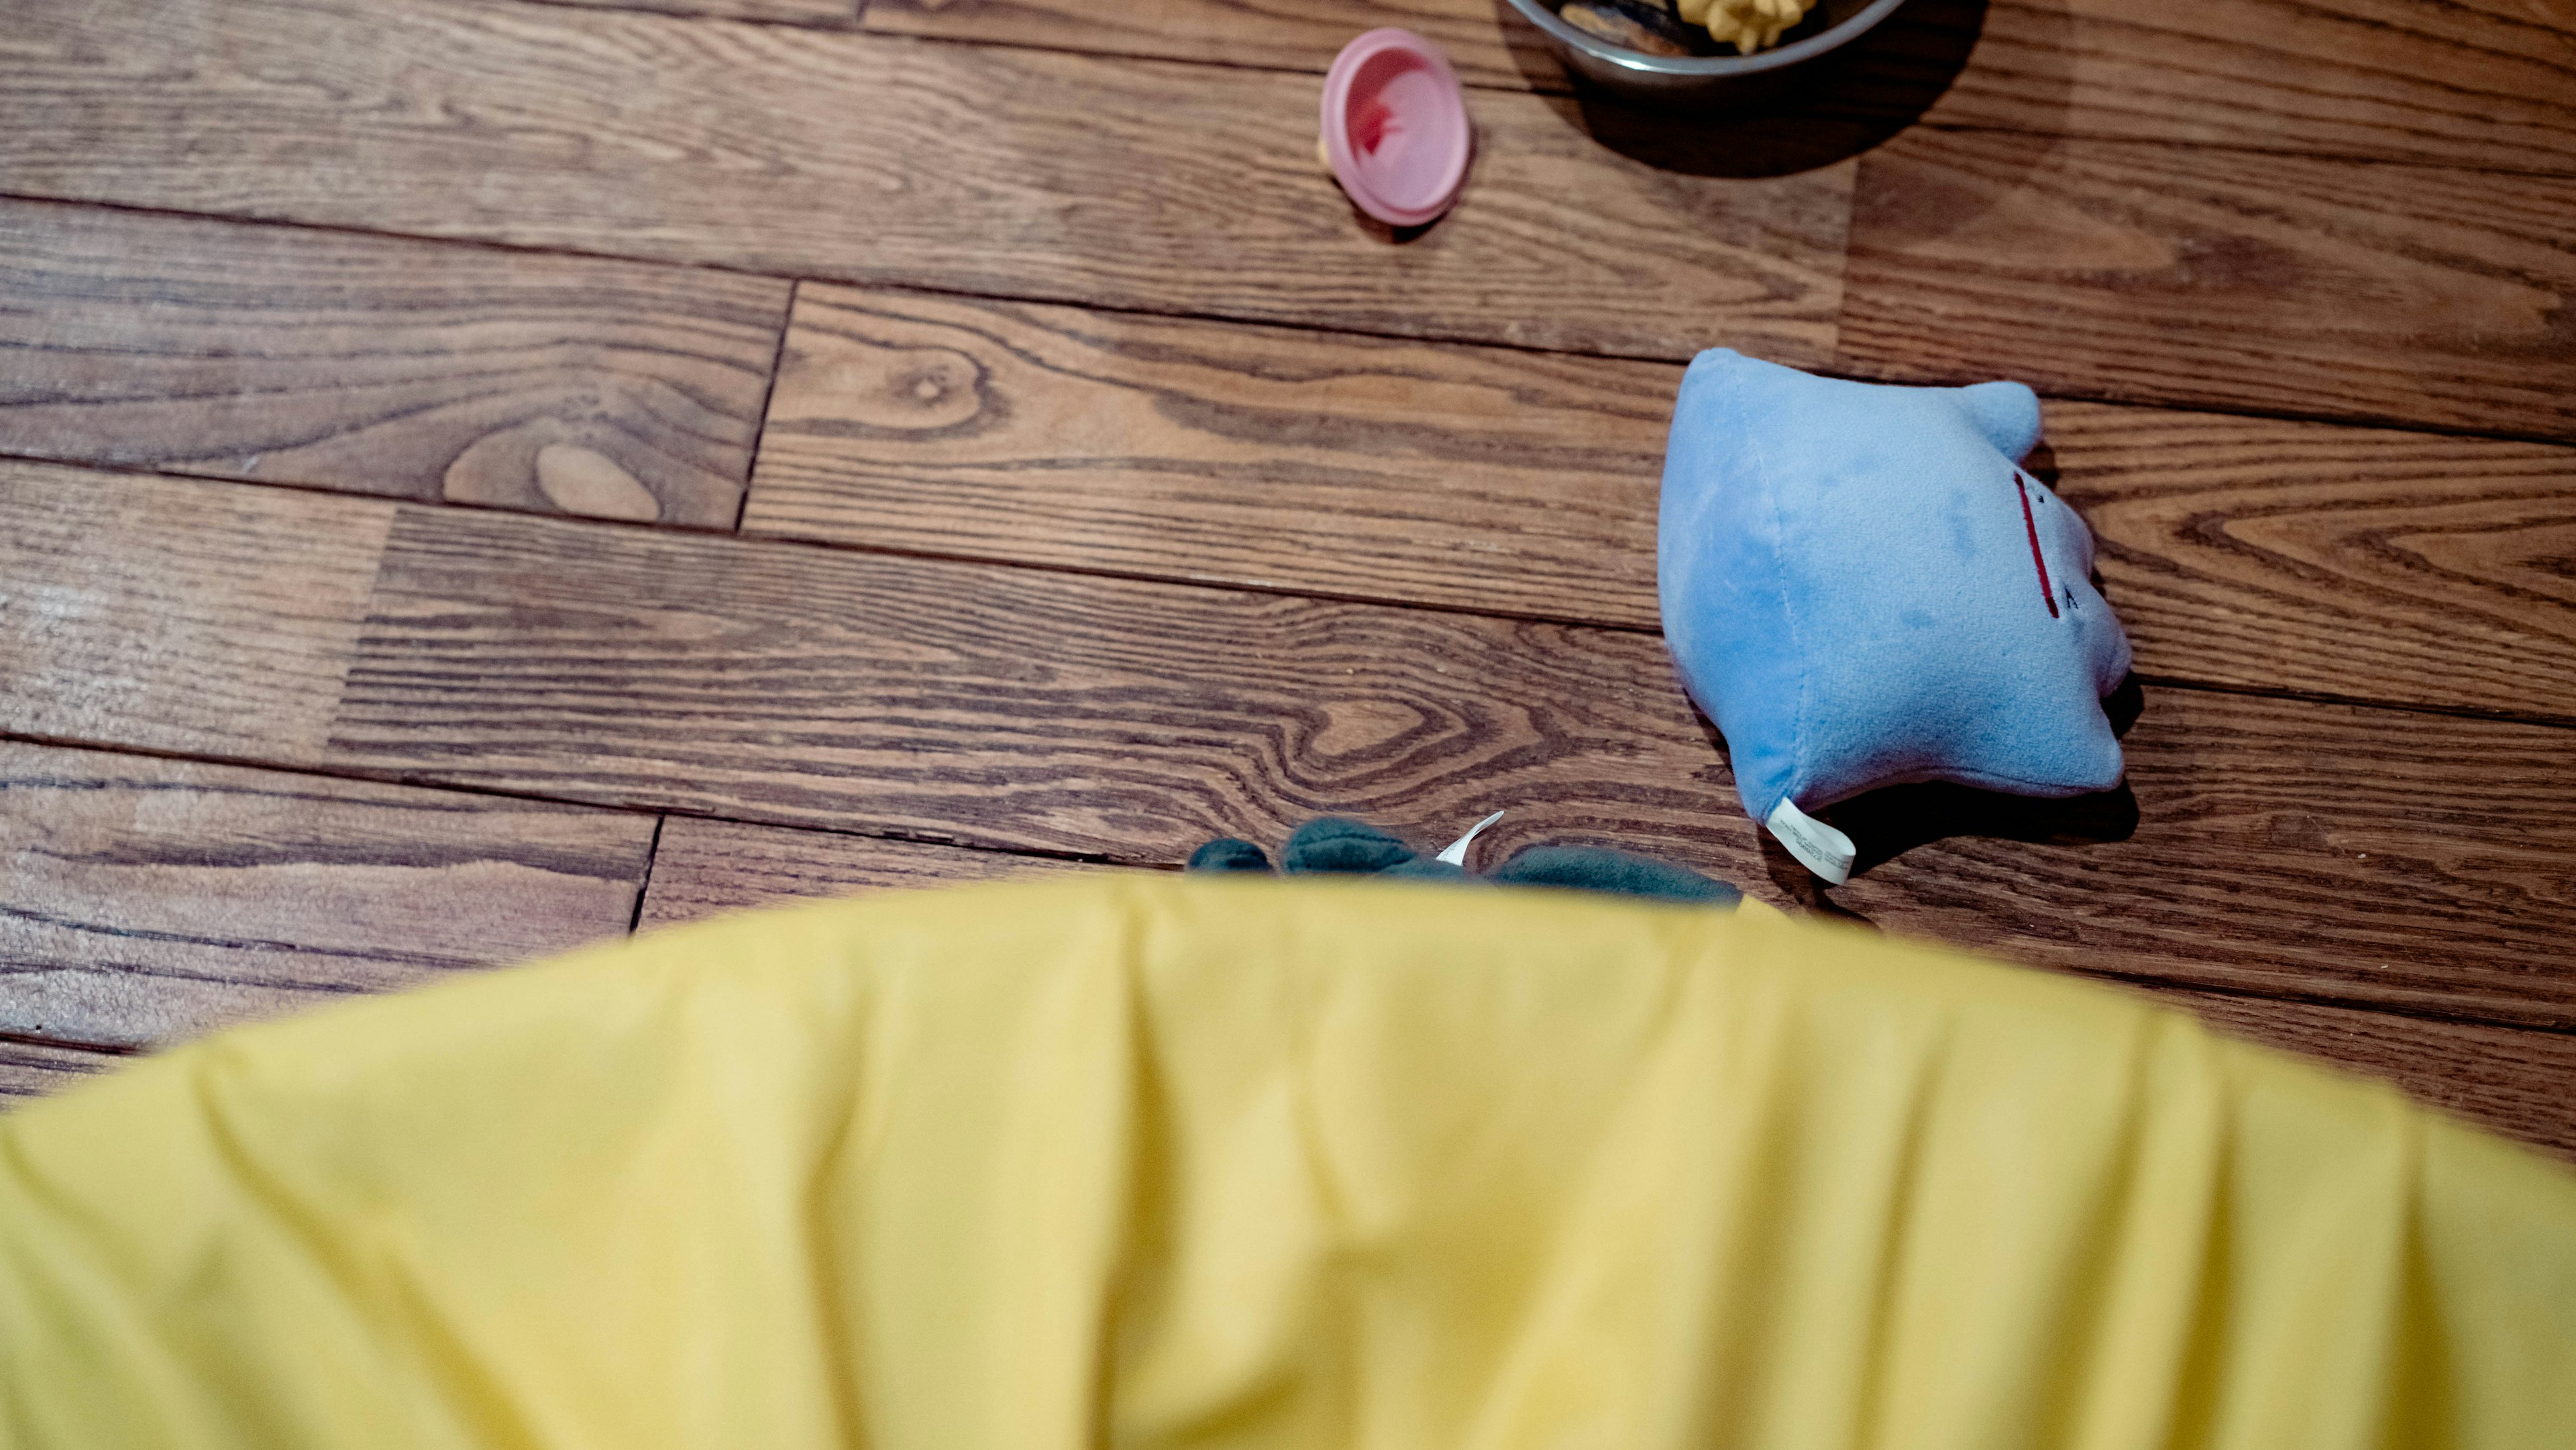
x: 1152, y: 1162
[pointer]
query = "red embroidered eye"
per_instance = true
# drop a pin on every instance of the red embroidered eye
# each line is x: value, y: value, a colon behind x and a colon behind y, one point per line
x: 2031, y: 526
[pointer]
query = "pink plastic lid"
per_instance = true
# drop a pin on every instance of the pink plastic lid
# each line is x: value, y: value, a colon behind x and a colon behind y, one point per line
x: 1395, y: 127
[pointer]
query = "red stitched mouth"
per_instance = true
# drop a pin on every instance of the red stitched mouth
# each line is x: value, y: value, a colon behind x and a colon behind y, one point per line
x: 2046, y: 590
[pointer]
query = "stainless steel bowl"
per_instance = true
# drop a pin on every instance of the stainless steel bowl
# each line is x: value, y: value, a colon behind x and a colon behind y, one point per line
x: 1695, y: 82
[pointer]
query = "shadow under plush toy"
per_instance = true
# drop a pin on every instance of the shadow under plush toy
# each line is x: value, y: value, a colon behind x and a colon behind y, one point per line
x: 1863, y: 588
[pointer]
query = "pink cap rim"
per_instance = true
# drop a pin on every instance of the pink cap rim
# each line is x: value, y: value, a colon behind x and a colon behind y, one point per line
x: 1337, y: 141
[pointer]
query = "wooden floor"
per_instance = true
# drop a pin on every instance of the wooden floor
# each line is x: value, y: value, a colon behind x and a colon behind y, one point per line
x: 478, y: 476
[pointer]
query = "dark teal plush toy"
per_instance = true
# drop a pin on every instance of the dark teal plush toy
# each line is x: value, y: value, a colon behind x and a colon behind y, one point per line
x: 1333, y: 846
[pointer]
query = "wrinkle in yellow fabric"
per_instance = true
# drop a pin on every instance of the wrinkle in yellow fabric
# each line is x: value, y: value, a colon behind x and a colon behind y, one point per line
x: 1145, y: 1162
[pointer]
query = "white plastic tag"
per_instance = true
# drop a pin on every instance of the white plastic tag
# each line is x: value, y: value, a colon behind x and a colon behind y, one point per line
x: 1818, y: 847
x: 1456, y: 854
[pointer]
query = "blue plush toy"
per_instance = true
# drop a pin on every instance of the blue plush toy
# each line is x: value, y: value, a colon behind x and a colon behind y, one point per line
x: 1863, y: 588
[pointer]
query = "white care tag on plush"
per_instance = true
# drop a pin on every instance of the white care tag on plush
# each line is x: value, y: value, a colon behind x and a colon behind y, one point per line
x: 1456, y: 854
x: 1818, y: 847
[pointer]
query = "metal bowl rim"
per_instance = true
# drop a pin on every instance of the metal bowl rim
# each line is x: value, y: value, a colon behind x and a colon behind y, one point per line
x: 1701, y: 66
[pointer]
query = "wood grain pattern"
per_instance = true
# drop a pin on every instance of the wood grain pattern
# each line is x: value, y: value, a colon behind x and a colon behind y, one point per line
x: 30, y: 1070
x: 2326, y: 852
x: 2369, y: 563
x: 1485, y: 47
x: 1003, y: 708
x: 2322, y: 851
x: 785, y: 12
x: 2285, y: 847
x: 2487, y: 86
x: 2234, y: 204
x: 179, y: 616
x: 703, y: 866
x: 2511, y: 1080
x: 2266, y: 283
x: 857, y: 157
x: 1480, y: 478
x: 378, y: 366
x: 2406, y: 567
x: 144, y: 900
x: 2476, y: 84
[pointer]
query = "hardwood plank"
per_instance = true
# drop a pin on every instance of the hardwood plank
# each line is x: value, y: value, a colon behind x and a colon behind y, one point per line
x: 784, y: 12
x: 1001, y: 708
x: 144, y: 900
x: 2509, y: 1080
x: 704, y: 866
x: 2284, y: 847
x: 1486, y: 45
x: 376, y: 366
x: 2324, y: 851
x: 31, y: 1070
x: 2269, y: 283
x: 1152, y: 185
x: 2405, y: 567
x: 2486, y: 86
x: 171, y: 615
x: 1480, y: 478
x: 2333, y: 853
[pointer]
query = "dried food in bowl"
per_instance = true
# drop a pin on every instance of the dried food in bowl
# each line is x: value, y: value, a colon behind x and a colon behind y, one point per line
x: 1707, y: 75
x: 1681, y: 28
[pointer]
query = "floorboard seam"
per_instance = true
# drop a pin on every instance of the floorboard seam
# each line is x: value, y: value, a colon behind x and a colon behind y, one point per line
x: 644, y: 887
x: 849, y: 24
x: 768, y: 395
x: 662, y: 816
x: 103, y: 1049
x: 1502, y: 88
x: 1271, y: 591
x: 797, y: 280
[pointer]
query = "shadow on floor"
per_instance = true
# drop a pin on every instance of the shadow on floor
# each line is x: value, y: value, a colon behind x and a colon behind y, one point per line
x: 1885, y: 824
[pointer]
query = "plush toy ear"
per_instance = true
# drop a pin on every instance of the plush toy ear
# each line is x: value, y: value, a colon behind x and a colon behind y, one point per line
x: 1341, y: 846
x: 2007, y: 413
x: 1226, y: 854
